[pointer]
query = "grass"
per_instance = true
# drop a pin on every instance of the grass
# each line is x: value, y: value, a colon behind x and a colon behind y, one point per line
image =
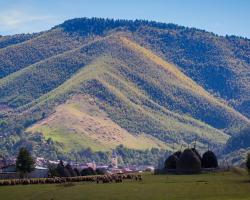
x: 212, y: 186
x: 79, y: 123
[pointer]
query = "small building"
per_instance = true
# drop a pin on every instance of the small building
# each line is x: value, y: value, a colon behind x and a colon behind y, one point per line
x: 2, y: 162
x: 116, y: 171
x: 40, y: 161
x: 127, y: 170
x: 10, y: 172
x: 87, y: 165
x: 149, y: 169
x: 9, y: 168
x: 39, y: 172
x: 114, y: 160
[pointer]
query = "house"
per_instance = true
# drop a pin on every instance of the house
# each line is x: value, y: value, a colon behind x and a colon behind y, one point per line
x: 9, y: 168
x: 2, y: 162
x: 40, y: 161
x: 126, y: 170
x: 6, y: 161
x: 149, y: 169
x: 87, y: 165
x: 39, y: 172
x: 10, y: 172
x: 115, y: 171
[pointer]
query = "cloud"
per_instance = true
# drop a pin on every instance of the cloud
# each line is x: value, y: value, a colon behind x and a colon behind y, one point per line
x: 15, y: 18
x: 18, y: 21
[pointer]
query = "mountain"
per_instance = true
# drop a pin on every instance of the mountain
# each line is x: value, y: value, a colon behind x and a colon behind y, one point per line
x: 100, y: 83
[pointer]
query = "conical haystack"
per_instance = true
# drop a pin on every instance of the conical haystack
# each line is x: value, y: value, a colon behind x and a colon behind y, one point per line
x: 189, y: 162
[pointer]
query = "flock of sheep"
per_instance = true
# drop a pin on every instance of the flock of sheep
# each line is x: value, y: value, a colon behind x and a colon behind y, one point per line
x: 114, y: 178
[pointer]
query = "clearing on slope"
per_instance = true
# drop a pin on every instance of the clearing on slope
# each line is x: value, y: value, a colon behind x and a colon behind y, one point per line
x: 79, y: 123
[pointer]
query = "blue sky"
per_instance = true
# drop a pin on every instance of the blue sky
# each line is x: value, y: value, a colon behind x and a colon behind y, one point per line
x: 223, y: 17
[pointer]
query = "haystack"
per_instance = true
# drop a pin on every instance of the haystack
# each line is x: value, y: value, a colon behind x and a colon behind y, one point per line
x: 171, y: 162
x: 197, y: 153
x: 209, y: 160
x: 189, y: 162
x: 178, y: 154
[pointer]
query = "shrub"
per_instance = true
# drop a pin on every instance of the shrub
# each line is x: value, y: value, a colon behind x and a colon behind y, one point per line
x: 70, y: 170
x: 62, y: 170
x: 77, y: 172
x: 100, y: 171
x: 88, y: 171
x: 53, y: 172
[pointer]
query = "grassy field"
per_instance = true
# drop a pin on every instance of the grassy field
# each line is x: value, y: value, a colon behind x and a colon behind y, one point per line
x: 229, y: 186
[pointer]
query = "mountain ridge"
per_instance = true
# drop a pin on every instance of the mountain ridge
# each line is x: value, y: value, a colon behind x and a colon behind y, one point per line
x: 130, y: 79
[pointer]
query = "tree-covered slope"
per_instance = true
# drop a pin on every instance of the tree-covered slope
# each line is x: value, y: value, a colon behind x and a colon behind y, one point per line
x: 163, y: 82
x: 239, y: 141
x: 160, y: 82
x: 126, y: 105
x: 139, y: 91
x: 15, y: 39
x: 44, y: 45
x: 219, y: 64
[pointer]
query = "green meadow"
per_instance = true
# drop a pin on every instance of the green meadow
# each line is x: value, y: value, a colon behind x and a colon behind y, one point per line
x: 212, y: 186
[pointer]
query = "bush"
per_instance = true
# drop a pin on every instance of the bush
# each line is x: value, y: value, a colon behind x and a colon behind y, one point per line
x: 53, y: 172
x: 62, y: 170
x: 77, y: 172
x: 100, y: 171
x: 70, y: 170
x: 88, y: 171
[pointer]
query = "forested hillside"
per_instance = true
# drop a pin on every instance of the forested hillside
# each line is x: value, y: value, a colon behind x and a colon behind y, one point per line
x: 98, y: 83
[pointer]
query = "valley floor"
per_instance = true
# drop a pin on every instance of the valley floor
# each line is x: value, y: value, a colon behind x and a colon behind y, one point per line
x: 229, y: 186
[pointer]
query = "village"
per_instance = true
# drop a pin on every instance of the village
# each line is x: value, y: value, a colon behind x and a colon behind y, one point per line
x: 42, y: 167
x: 188, y: 161
x: 182, y: 166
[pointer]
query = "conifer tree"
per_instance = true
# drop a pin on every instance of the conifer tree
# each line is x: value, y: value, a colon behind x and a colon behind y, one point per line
x: 24, y: 163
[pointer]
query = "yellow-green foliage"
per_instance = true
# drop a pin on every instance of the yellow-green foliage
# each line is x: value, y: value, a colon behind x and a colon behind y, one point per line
x: 41, y: 47
x: 138, y: 90
x: 131, y: 108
